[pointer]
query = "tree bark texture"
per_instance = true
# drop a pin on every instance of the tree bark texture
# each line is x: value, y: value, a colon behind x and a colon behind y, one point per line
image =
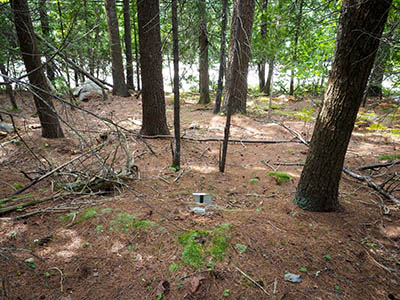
x: 243, y: 38
x: 41, y: 90
x: 203, y: 56
x: 137, y: 59
x: 88, y: 39
x: 44, y: 23
x: 263, y: 31
x: 176, y: 161
x: 267, y: 87
x: 299, y: 17
x: 360, y: 29
x: 128, y: 45
x: 222, y: 58
x: 119, y: 86
x: 153, y: 102
x: 9, y: 88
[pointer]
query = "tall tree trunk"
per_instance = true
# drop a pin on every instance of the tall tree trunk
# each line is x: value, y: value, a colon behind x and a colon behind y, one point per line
x: 267, y: 87
x: 243, y: 37
x: 153, y: 102
x: 203, y: 56
x: 9, y: 88
x: 222, y: 57
x: 137, y: 59
x: 360, y: 29
x: 263, y: 31
x: 60, y: 15
x: 296, y: 42
x: 128, y: 45
x: 176, y: 161
x: 44, y: 23
x: 119, y: 86
x: 90, y: 51
x: 41, y: 90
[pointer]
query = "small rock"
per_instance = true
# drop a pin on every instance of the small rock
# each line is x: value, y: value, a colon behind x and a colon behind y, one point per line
x: 198, y: 210
x: 30, y: 260
x: 6, y: 127
x: 293, y: 278
x: 95, y: 274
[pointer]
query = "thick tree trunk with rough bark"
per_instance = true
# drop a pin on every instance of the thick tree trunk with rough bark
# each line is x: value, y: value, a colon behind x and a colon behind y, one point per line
x: 203, y: 56
x: 119, y: 86
x: 243, y: 38
x: 128, y: 45
x: 153, y: 102
x: 41, y: 90
x: 360, y: 28
x: 222, y: 57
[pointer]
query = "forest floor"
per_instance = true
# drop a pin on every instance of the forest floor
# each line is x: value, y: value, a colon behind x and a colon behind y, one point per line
x: 141, y: 240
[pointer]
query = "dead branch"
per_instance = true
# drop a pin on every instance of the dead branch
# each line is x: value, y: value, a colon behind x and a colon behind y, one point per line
x: 279, y: 163
x: 52, y: 172
x: 28, y: 203
x: 378, y: 166
x: 373, y: 185
x: 296, y: 134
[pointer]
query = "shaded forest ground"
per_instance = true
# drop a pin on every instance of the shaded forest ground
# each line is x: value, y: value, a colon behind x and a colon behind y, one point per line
x: 143, y: 242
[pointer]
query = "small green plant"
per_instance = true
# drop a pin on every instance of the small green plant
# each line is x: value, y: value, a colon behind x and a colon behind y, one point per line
x: 99, y: 228
x: 17, y: 186
x: 125, y: 222
x: 173, y: 267
x: 328, y: 257
x: 202, y: 244
x: 241, y: 248
x: 226, y: 293
x: 337, y: 287
x: 255, y: 179
x: 376, y: 126
x: 280, y: 177
x: 303, y: 269
x: 389, y: 157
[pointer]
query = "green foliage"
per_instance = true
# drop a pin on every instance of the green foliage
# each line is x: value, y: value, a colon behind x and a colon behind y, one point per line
x: 17, y: 186
x: 389, y: 157
x: 173, y: 267
x: 376, y: 126
x: 280, y: 177
x: 241, y: 248
x: 201, y: 244
x: 305, y: 115
x: 255, y: 179
x: 125, y: 222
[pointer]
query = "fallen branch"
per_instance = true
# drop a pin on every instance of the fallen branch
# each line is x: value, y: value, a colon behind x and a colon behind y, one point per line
x: 377, y: 166
x: 28, y: 203
x: 252, y: 280
x: 51, y: 172
x: 278, y: 163
x: 296, y: 134
x: 372, y: 184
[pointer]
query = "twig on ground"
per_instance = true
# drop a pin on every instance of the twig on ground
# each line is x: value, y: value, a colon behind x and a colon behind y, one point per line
x: 179, y: 175
x: 377, y: 166
x: 296, y: 134
x: 61, y: 277
x: 279, y: 163
x: 270, y: 223
x: 252, y: 280
x: 266, y: 162
x: 275, y: 285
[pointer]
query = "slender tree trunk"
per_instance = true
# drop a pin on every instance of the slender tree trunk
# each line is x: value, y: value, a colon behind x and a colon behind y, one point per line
x: 243, y: 37
x: 203, y: 56
x: 296, y: 42
x: 90, y: 50
x: 60, y: 15
x: 128, y: 45
x: 267, y: 87
x: 119, y: 86
x: 9, y: 88
x: 234, y: 78
x: 222, y: 57
x: 263, y: 31
x: 176, y: 161
x: 137, y: 59
x: 44, y: 23
x: 360, y: 29
x: 153, y: 102
x: 41, y: 90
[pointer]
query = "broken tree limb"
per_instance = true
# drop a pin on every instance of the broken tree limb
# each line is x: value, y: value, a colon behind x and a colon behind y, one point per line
x: 377, y: 166
x: 52, y: 172
x: 373, y: 185
x: 296, y: 134
x: 245, y: 141
x: 70, y: 62
x: 28, y: 203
